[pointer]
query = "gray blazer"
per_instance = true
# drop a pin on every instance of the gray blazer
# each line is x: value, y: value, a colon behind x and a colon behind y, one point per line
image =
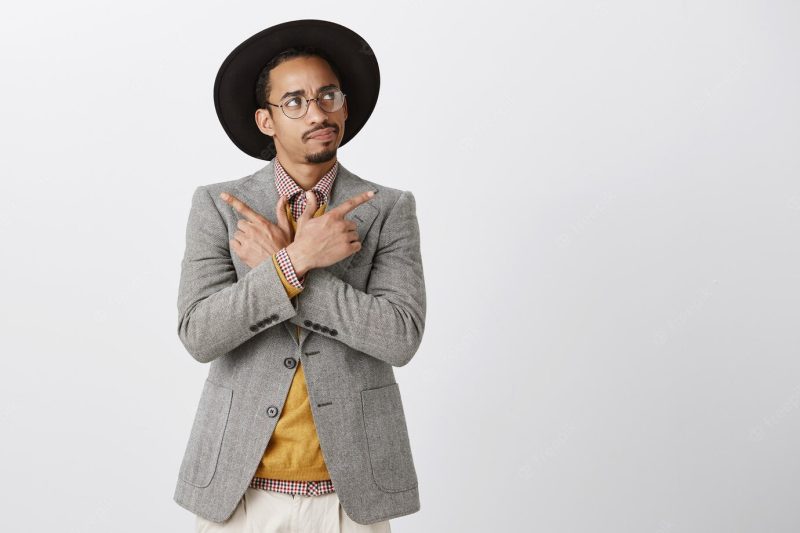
x: 359, y: 318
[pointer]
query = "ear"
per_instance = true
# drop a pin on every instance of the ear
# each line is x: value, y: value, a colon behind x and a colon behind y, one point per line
x: 264, y: 122
x: 345, y: 108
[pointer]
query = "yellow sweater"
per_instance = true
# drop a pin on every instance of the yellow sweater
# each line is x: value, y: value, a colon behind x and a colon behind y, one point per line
x: 293, y: 451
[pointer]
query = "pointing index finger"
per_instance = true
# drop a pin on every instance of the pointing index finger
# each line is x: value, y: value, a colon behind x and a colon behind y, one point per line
x: 351, y: 203
x: 241, y: 207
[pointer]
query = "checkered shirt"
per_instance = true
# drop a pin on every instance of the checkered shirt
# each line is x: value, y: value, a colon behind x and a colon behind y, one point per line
x: 305, y: 488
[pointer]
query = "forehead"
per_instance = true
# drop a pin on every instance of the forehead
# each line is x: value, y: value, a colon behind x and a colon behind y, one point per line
x: 301, y: 73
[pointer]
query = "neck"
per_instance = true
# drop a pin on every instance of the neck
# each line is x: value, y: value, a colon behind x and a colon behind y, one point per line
x: 306, y: 175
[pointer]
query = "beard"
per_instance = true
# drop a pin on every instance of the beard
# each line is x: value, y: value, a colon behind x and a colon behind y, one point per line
x: 322, y: 156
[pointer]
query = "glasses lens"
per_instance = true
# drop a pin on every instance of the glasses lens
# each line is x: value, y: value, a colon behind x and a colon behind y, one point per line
x: 331, y: 101
x: 295, y: 106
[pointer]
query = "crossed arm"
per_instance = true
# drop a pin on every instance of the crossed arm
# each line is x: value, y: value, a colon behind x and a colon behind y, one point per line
x: 218, y: 312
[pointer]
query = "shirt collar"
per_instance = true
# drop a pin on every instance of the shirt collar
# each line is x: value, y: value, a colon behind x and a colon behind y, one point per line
x: 289, y: 188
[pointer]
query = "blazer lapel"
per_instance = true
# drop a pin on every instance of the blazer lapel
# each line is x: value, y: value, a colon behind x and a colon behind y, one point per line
x: 261, y: 194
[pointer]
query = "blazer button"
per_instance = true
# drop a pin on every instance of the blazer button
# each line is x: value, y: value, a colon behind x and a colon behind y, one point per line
x: 254, y: 327
x: 273, y: 317
x: 272, y: 411
x: 289, y: 362
x: 307, y: 322
x: 316, y: 327
x: 262, y: 323
x: 334, y: 332
x: 325, y: 329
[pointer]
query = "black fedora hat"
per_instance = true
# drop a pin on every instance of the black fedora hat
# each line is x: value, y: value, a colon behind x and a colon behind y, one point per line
x: 234, y: 88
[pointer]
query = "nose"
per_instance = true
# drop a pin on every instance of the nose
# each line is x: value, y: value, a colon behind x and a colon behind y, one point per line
x: 314, y: 113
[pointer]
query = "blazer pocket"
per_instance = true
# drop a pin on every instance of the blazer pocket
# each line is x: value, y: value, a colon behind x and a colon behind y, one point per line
x: 387, y: 439
x: 205, y: 440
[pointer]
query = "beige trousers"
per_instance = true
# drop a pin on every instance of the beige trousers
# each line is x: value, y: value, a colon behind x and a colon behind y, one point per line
x: 267, y: 511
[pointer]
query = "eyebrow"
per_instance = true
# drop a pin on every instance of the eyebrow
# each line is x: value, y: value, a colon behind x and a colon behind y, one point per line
x: 303, y: 91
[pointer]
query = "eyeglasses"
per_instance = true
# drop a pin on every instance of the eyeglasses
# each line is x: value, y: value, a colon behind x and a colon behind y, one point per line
x: 297, y: 106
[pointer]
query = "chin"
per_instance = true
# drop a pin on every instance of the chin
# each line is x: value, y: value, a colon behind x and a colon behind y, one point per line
x: 321, y: 156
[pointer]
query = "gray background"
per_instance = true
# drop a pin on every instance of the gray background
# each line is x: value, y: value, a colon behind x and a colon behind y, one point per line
x: 612, y: 332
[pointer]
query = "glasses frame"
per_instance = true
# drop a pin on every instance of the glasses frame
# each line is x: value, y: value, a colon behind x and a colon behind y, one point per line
x: 308, y: 103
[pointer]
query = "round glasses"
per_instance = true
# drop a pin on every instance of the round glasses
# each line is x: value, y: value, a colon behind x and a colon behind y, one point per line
x: 297, y: 106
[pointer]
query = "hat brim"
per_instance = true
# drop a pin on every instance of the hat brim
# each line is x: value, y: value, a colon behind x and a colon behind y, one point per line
x: 234, y: 87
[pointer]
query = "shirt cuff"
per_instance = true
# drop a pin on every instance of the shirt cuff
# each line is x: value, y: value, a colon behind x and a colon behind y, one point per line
x: 287, y: 268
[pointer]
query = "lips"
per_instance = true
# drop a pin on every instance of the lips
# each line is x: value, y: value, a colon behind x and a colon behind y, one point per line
x: 325, y: 134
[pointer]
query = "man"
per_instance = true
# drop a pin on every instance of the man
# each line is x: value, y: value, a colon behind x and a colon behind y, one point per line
x: 302, y: 286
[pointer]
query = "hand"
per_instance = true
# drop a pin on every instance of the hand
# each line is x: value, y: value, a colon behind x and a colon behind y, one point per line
x: 257, y: 239
x: 326, y: 239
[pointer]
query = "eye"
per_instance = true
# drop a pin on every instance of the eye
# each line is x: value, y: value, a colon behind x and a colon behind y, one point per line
x: 292, y: 102
x: 330, y: 95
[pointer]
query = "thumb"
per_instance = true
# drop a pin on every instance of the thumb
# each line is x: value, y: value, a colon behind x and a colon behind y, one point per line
x: 311, y: 206
x: 283, y: 218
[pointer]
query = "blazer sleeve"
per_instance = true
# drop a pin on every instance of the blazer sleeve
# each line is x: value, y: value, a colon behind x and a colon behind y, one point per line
x: 216, y: 311
x: 388, y: 320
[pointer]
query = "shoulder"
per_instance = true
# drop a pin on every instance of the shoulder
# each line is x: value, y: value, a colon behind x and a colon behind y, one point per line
x: 228, y: 185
